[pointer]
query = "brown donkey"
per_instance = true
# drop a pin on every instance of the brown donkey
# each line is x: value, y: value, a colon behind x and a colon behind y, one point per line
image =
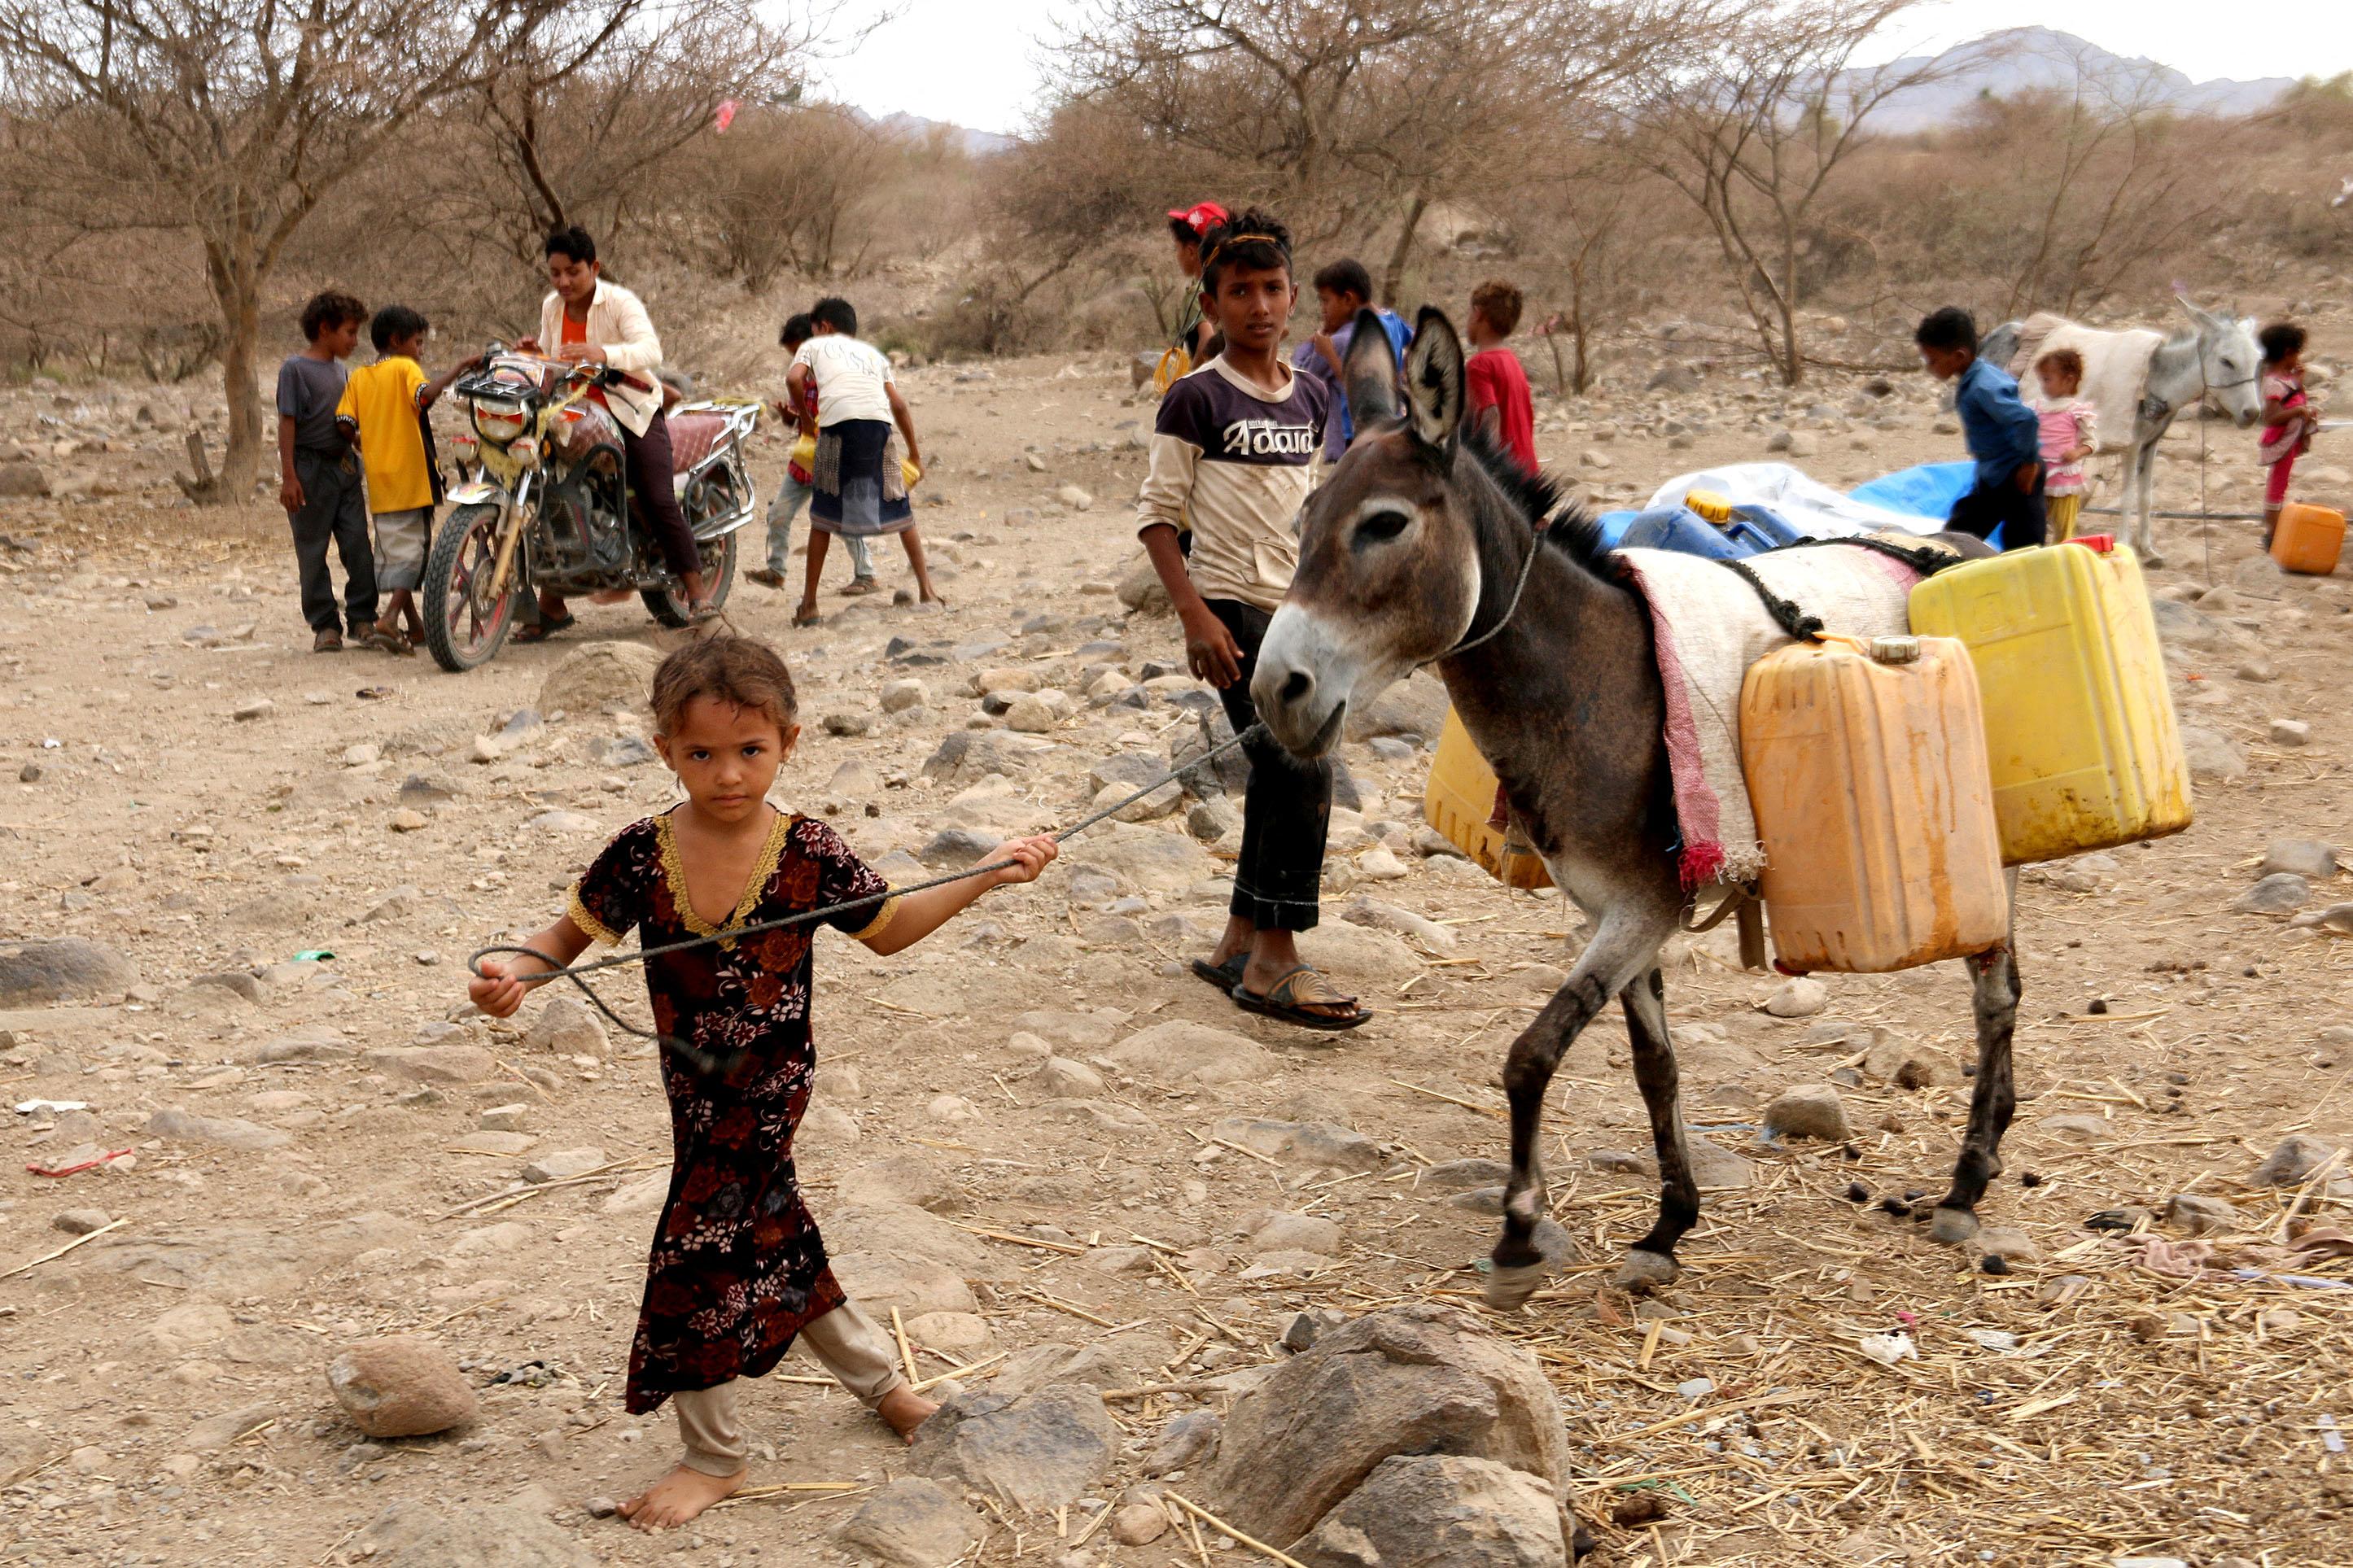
x: 1424, y: 545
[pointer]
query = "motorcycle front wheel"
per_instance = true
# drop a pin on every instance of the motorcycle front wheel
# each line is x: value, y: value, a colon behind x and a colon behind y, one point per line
x: 668, y: 606
x: 462, y: 626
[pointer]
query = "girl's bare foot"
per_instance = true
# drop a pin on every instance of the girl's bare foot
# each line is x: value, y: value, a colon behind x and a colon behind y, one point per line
x: 905, y: 1410
x: 677, y: 1497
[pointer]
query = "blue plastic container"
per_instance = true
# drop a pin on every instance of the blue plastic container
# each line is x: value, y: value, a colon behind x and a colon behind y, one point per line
x: 1613, y: 526
x: 1768, y: 523
x: 1680, y: 528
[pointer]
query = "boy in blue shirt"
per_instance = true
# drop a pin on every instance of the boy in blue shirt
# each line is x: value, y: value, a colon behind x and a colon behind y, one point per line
x: 2003, y: 434
x: 1343, y: 288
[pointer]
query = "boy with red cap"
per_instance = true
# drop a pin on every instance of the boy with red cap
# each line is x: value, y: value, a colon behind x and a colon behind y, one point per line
x: 1186, y: 226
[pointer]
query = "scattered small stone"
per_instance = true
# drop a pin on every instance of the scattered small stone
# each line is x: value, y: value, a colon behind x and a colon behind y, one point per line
x: 403, y: 1386
x: 2008, y: 1243
x: 1139, y: 1523
x: 2306, y: 857
x: 2293, y: 1162
x: 1801, y: 996
x: 1809, y: 1110
x: 2291, y: 733
x: 253, y: 708
x: 2202, y: 1216
x: 79, y: 1222
x: 2281, y: 893
x: 563, y: 1164
x: 1186, y: 1441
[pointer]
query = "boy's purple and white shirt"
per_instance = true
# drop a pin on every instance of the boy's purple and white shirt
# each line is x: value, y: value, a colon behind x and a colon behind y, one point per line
x: 1236, y: 466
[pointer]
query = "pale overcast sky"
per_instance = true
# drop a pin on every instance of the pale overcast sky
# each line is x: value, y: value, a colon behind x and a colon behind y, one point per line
x: 976, y: 62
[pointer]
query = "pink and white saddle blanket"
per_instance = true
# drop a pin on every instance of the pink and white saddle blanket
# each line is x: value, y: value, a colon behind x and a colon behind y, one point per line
x: 1709, y: 625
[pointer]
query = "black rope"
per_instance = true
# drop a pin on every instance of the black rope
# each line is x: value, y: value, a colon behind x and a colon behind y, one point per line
x: 707, y: 1062
x: 1786, y: 615
x: 1927, y: 557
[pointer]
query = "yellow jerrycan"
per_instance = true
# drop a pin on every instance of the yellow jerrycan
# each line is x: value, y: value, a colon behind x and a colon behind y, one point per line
x: 1866, y: 769
x: 2079, y: 732
x: 1460, y: 802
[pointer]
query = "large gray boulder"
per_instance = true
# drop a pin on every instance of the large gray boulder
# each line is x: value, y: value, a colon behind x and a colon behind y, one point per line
x: 1037, y: 1450
x: 1440, y: 1511
x: 1416, y: 1380
x: 912, y: 1524
x: 35, y: 973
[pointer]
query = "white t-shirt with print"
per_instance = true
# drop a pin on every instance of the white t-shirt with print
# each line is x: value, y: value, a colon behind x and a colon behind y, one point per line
x: 850, y: 376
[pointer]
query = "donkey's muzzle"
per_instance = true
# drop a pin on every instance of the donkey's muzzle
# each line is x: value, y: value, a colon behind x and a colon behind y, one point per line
x: 1298, y: 694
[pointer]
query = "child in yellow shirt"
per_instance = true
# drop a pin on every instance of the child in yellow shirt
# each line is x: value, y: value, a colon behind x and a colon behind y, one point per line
x: 384, y: 407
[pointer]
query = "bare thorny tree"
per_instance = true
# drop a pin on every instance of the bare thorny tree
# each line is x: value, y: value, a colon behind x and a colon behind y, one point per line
x: 2108, y: 175
x: 1753, y: 132
x: 1360, y: 114
x: 233, y: 123
x: 581, y: 119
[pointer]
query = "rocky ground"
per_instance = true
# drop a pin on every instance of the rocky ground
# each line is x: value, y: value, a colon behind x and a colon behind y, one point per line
x: 1101, y: 1199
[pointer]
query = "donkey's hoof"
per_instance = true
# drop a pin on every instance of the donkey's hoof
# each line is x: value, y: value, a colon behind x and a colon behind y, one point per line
x: 1646, y: 1270
x: 1952, y: 1226
x: 2151, y: 558
x: 1510, y: 1286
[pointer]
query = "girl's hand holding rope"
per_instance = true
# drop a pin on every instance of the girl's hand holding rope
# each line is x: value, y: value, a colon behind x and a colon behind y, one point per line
x: 498, y: 989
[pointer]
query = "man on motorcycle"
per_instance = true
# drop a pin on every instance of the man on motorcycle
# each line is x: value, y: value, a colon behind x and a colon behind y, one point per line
x: 587, y: 320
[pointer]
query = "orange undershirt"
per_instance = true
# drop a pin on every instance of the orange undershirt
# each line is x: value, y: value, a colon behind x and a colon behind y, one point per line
x: 577, y: 333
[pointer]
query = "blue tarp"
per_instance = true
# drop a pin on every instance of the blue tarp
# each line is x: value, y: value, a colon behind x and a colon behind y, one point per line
x: 1927, y: 490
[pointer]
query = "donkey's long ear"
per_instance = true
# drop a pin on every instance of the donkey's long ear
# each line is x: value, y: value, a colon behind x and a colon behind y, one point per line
x: 1434, y: 380
x: 1370, y: 374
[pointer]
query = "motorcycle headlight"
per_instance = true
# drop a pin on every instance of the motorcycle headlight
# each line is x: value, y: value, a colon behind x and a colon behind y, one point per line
x: 497, y: 423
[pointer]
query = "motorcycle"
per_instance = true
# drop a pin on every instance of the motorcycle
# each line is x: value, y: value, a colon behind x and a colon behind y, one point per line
x: 546, y: 502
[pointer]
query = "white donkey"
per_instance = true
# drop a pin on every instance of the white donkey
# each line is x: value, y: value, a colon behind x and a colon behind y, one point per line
x: 2139, y: 381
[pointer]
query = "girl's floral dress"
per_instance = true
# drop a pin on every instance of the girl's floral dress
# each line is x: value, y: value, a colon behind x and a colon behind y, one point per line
x: 737, y: 1267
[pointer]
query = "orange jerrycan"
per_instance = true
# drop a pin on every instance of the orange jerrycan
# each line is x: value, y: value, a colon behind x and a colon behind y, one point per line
x: 1866, y: 768
x: 2079, y: 732
x: 1460, y: 802
x: 2307, y: 539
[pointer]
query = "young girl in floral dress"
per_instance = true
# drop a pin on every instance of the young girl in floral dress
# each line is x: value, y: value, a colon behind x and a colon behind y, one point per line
x: 738, y: 1269
x: 2287, y: 416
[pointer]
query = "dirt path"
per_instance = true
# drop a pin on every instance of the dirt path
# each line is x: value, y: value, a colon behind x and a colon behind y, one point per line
x: 168, y: 1404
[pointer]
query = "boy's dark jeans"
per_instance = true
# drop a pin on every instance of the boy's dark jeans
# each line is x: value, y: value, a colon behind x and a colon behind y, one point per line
x: 1287, y: 807
x: 2019, y: 513
x: 651, y: 482
x: 333, y: 510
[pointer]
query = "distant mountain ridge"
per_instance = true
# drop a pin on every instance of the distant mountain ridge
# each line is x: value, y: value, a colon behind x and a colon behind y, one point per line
x: 2027, y: 59
x: 2000, y: 65
x: 915, y: 128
